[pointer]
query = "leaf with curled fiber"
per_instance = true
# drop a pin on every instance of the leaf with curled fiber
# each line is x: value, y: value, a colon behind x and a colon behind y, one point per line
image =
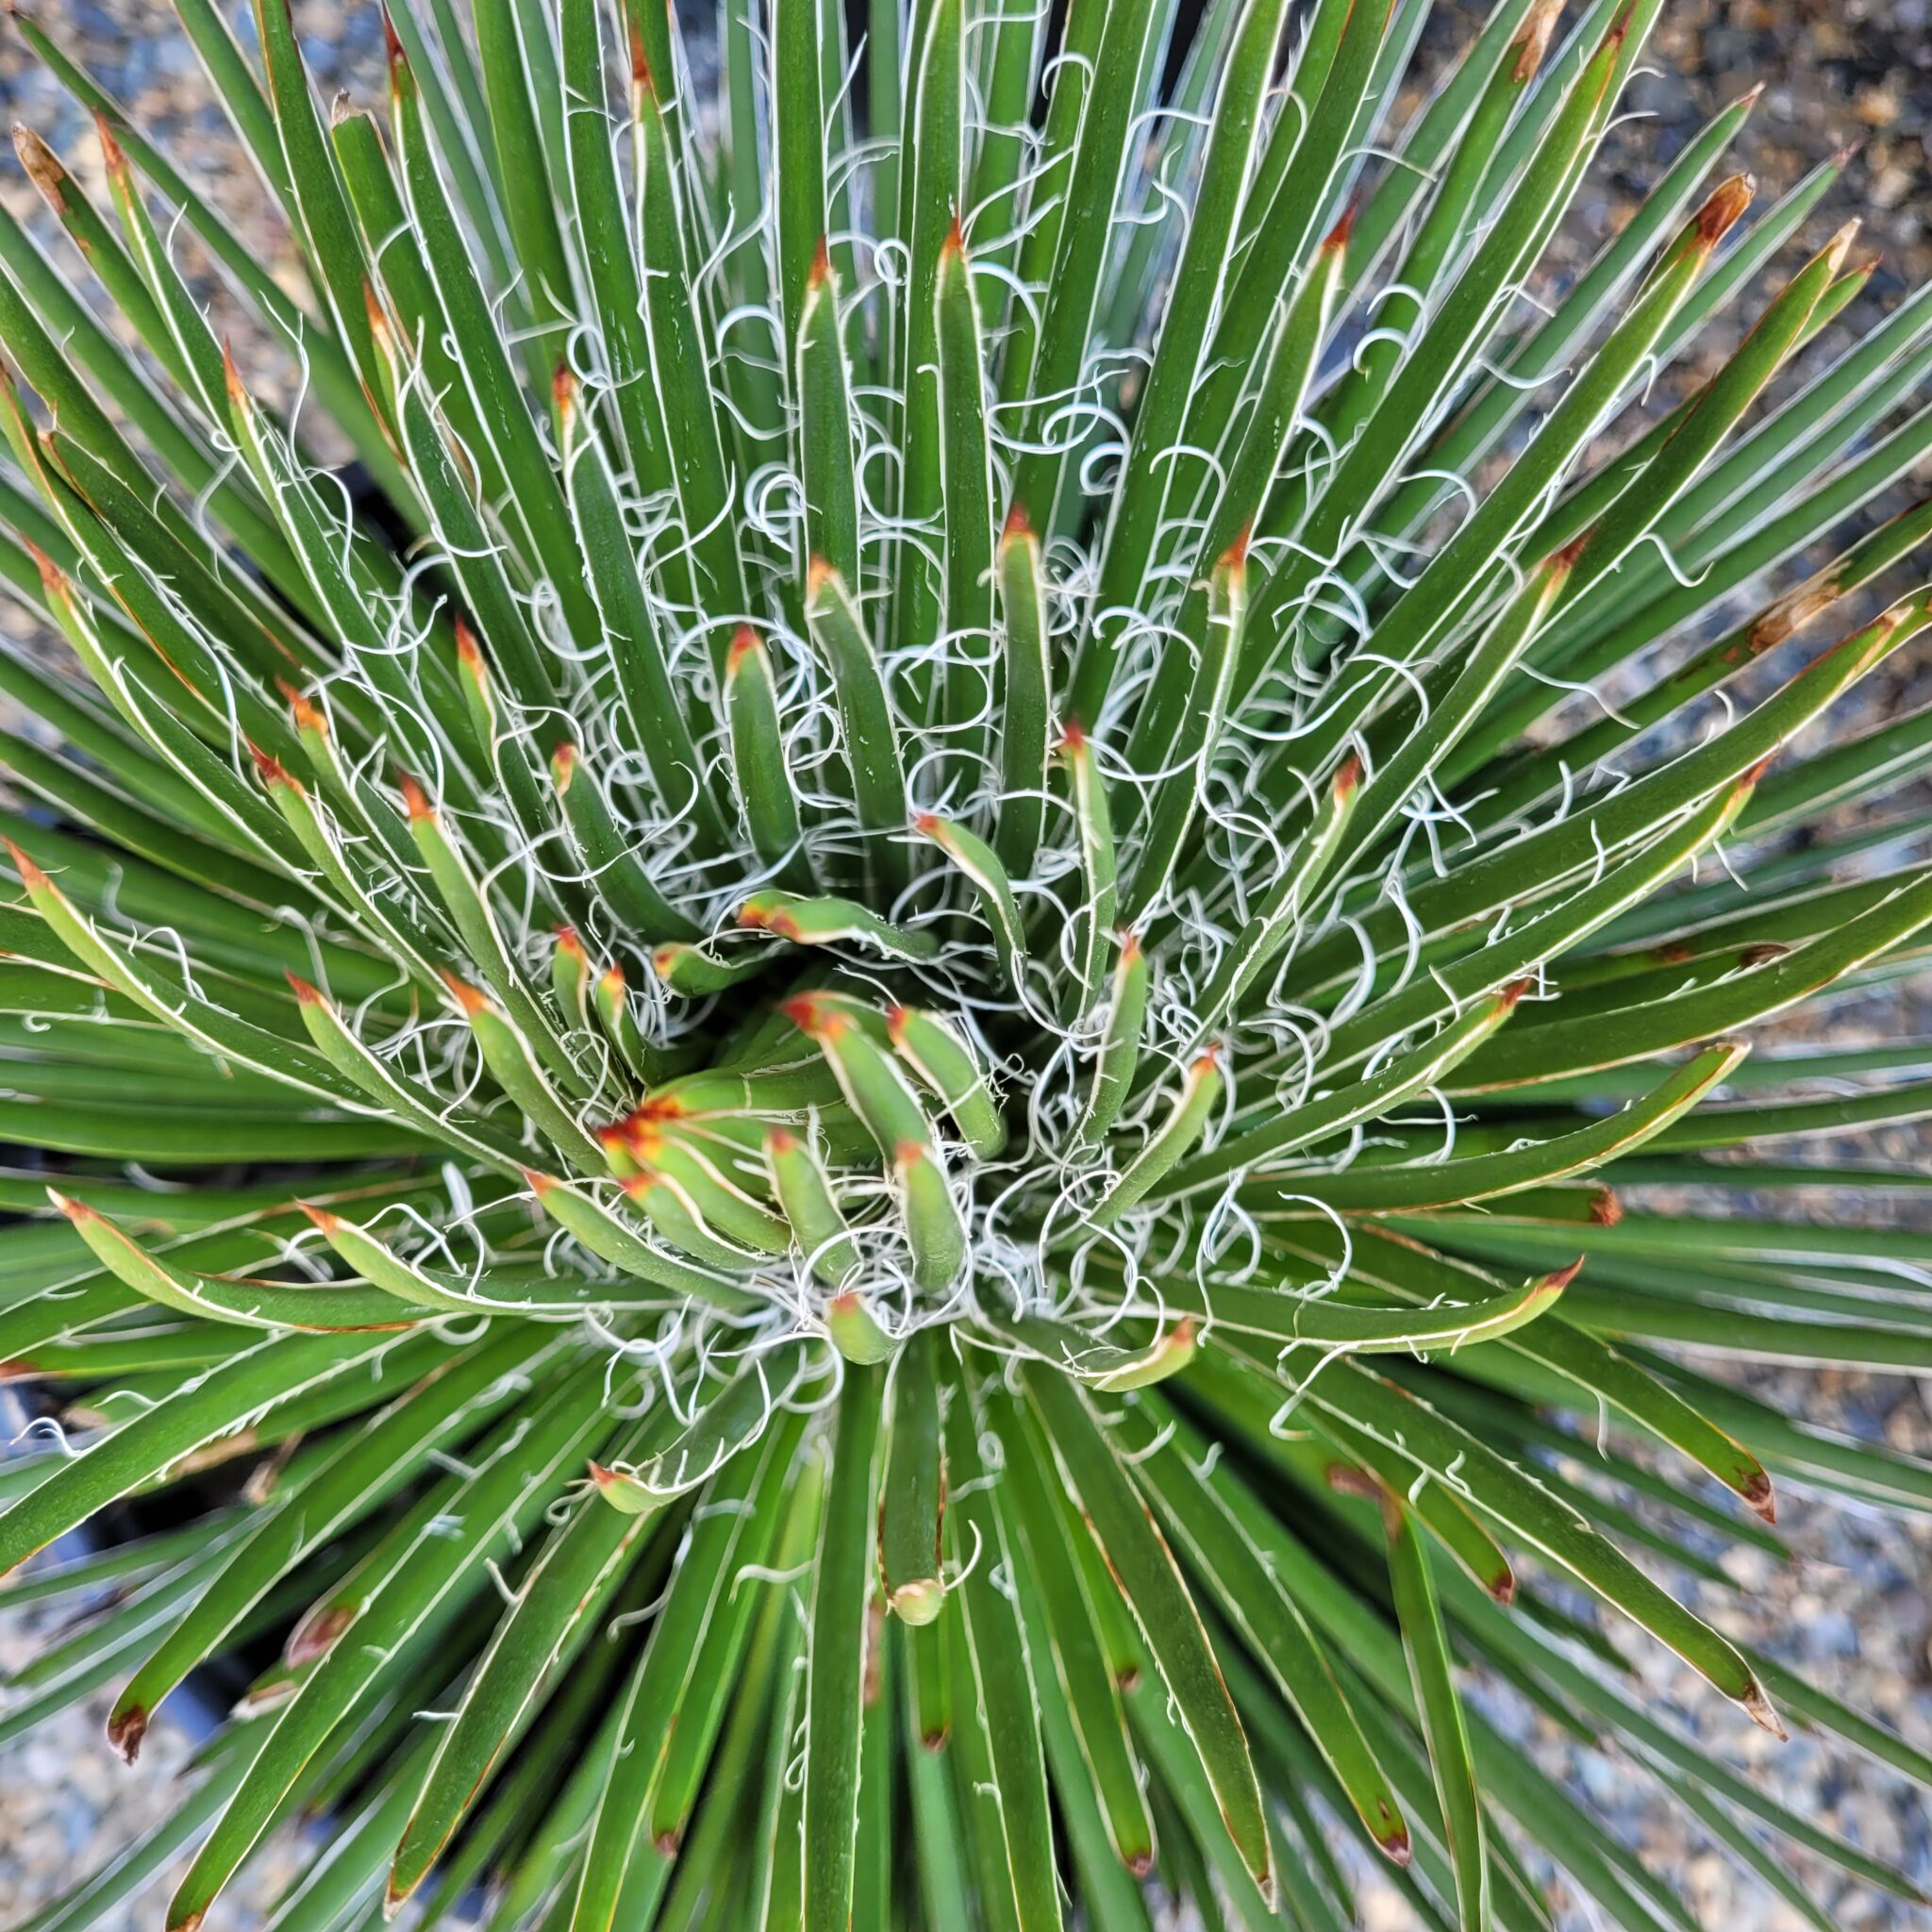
x: 856, y: 1089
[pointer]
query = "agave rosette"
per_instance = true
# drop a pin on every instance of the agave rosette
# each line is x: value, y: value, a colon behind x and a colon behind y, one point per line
x: 888, y: 1008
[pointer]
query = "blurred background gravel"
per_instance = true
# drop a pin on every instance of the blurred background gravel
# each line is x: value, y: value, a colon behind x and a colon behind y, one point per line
x: 1855, y: 1606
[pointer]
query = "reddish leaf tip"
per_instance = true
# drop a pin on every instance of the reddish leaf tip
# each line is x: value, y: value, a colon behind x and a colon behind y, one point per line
x: 1762, y: 1714
x: 308, y: 715
x: 126, y: 1730
x: 812, y: 1017
x: 270, y: 769
x: 30, y: 875
x: 473, y: 1000
x: 772, y: 919
x: 1721, y: 206
x: 53, y: 578
x: 110, y: 149
x: 744, y: 643
x: 1559, y: 563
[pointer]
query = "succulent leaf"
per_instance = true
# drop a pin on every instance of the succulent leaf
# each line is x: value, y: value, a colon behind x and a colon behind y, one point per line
x: 948, y: 929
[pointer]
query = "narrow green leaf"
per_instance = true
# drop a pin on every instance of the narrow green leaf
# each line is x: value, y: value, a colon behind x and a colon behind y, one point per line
x: 842, y: 1586
x: 996, y: 1744
x: 1081, y: 1690
x: 913, y: 1487
x: 1425, y: 1640
x: 1162, y: 1608
x: 761, y: 763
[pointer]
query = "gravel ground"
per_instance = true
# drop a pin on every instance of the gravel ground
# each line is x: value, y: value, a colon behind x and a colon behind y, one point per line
x: 67, y: 1801
x: 1855, y: 1608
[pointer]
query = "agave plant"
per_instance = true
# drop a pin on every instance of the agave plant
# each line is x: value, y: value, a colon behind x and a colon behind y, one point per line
x: 827, y: 1095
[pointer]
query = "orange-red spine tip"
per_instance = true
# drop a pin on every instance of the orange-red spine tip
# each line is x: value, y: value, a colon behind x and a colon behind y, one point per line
x: 470, y: 998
